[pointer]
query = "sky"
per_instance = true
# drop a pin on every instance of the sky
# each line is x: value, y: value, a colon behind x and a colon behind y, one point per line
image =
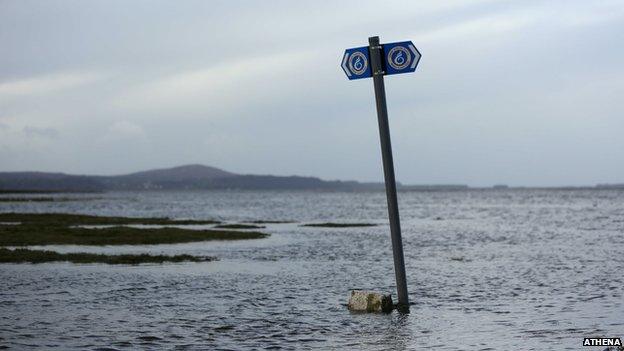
x: 520, y: 93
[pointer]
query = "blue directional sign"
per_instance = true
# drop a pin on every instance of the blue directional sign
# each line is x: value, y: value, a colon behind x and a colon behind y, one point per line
x: 356, y: 63
x: 400, y: 57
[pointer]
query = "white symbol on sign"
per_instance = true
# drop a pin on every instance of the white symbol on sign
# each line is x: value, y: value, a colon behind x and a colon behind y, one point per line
x: 399, y: 57
x: 358, y: 63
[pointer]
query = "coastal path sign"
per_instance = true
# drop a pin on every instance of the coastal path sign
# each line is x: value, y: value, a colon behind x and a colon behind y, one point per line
x: 401, y: 57
x: 376, y: 61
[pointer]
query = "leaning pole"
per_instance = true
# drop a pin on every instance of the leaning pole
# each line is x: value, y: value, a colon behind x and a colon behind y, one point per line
x: 388, y: 167
x: 386, y: 59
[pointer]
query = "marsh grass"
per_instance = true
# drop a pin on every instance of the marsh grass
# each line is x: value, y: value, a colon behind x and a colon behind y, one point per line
x: 42, y: 256
x: 60, y: 229
x: 65, y: 219
x: 240, y: 226
x: 15, y: 191
x: 338, y: 225
x: 270, y: 222
x: 47, y: 199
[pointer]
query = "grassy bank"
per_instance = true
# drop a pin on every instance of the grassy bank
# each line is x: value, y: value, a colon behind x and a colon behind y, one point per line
x: 9, y: 191
x: 64, y: 219
x: 24, y: 234
x: 270, y: 222
x: 240, y: 226
x: 60, y: 229
x: 338, y: 225
x: 47, y: 199
x: 41, y: 256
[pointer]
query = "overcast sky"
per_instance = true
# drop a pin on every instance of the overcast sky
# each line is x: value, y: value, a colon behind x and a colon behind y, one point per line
x: 522, y: 93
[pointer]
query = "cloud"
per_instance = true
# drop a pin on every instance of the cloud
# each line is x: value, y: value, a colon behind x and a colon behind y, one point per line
x: 124, y: 130
x: 515, y: 19
x: 46, y: 84
x: 217, y: 88
x: 35, y: 132
x: 486, y: 25
x: 257, y: 90
x: 592, y: 13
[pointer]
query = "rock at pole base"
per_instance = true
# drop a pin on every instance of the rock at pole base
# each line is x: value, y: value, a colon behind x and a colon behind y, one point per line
x: 369, y: 301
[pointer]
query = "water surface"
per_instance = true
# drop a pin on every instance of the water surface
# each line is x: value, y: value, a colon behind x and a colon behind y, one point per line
x: 487, y: 270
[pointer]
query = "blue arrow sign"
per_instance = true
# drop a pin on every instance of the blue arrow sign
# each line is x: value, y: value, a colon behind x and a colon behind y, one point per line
x: 400, y: 57
x: 356, y: 63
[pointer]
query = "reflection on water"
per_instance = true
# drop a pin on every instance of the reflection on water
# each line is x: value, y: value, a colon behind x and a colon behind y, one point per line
x: 504, y: 269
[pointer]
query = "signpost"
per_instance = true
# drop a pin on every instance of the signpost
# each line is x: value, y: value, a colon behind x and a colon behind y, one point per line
x: 376, y: 60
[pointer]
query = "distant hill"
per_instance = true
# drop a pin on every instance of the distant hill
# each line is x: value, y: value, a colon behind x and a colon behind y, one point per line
x: 40, y: 181
x: 610, y: 186
x: 176, y: 178
x: 182, y: 177
x: 180, y: 173
x: 186, y: 177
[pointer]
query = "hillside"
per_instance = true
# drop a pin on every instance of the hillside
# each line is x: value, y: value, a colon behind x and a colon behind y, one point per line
x: 176, y: 178
x: 182, y: 177
x: 180, y: 173
x: 41, y: 181
x: 187, y: 177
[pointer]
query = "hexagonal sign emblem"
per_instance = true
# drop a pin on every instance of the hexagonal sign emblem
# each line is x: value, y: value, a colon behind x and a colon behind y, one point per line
x: 356, y: 63
x: 400, y: 57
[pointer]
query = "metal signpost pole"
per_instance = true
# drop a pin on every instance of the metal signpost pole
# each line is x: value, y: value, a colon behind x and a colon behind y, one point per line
x: 376, y: 53
x: 385, y: 59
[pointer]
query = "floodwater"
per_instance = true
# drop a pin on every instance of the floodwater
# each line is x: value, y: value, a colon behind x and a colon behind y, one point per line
x: 487, y: 270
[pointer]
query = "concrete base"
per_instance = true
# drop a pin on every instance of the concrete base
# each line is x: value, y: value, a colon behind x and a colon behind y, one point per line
x: 369, y: 301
